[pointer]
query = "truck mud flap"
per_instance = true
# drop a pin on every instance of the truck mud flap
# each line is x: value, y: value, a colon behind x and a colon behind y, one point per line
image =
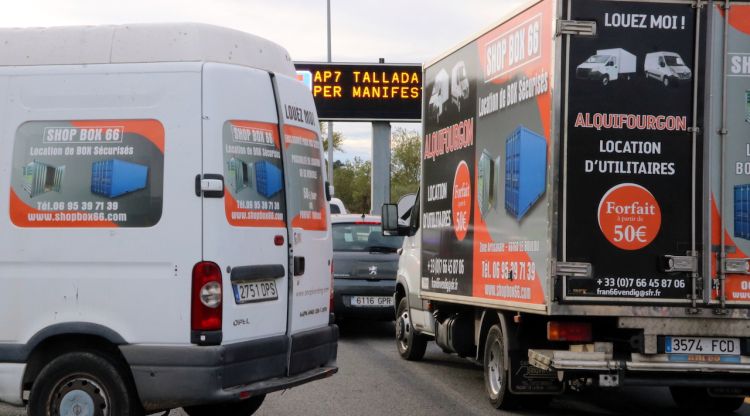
x: 526, y: 378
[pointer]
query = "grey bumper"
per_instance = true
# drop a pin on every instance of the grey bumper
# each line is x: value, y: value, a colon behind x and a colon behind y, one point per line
x: 171, y: 377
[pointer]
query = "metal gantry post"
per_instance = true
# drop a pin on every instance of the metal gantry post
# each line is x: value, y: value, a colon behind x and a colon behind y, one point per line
x: 381, y: 165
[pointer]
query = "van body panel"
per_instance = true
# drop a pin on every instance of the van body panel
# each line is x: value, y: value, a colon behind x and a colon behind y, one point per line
x: 83, y: 273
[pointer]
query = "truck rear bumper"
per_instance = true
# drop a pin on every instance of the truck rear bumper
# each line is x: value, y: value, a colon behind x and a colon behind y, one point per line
x: 641, y: 369
x: 170, y: 377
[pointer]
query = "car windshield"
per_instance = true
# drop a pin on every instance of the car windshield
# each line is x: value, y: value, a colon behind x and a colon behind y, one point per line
x: 365, y: 237
x: 674, y: 61
x: 597, y: 59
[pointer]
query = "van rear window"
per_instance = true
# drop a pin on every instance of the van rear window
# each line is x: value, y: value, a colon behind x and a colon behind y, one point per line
x: 253, y: 174
x: 87, y: 173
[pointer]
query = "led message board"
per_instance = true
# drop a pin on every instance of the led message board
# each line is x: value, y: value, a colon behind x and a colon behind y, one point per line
x: 364, y: 92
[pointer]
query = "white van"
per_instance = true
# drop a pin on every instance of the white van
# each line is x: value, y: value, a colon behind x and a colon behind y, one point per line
x: 666, y: 67
x: 165, y: 232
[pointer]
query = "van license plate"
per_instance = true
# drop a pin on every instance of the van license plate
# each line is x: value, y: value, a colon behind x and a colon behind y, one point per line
x: 696, y: 345
x: 255, y: 291
x: 372, y: 301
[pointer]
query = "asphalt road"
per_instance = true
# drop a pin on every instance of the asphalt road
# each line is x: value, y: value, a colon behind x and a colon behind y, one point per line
x: 374, y: 381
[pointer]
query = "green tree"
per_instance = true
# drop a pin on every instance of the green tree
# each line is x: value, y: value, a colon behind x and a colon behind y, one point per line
x: 338, y: 139
x: 351, y: 181
x: 405, y: 162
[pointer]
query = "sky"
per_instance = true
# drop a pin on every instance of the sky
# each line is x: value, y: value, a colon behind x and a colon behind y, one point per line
x: 400, y: 31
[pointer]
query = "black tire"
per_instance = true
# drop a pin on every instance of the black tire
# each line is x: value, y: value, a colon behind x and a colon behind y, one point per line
x: 495, y: 374
x: 83, y: 379
x: 244, y: 408
x: 411, y: 345
x: 697, y: 400
x: 605, y: 80
x: 667, y: 82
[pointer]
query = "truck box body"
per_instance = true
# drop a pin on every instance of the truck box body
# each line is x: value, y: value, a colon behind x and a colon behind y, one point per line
x: 114, y: 177
x: 150, y: 252
x: 634, y: 206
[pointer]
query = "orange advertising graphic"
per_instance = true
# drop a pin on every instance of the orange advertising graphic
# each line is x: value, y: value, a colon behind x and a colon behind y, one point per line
x: 87, y: 174
x: 254, y: 194
x: 304, y: 158
x: 629, y: 216
x: 461, y: 201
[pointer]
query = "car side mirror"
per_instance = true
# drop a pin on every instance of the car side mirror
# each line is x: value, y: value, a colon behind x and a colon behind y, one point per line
x: 389, y: 218
x: 329, y: 191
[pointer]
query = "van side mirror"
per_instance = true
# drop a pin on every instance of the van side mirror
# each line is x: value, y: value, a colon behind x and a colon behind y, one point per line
x: 389, y: 218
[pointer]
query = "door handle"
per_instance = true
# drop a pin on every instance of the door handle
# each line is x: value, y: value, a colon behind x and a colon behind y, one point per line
x: 210, y: 185
x: 299, y: 266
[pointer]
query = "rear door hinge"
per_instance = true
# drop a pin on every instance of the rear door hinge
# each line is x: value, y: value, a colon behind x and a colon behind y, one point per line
x: 688, y: 263
x: 573, y: 269
x: 576, y: 27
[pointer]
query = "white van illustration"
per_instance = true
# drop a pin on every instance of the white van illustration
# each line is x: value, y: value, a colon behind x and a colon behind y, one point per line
x: 607, y: 65
x: 440, y: 94
x: 459, y: 85
x: 666, y: 67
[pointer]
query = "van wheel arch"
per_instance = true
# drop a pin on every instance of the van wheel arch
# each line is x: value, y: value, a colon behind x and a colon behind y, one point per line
x: 55, y: 346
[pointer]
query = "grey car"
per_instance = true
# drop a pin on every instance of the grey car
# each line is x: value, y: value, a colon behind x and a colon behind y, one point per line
x: 364, y: 268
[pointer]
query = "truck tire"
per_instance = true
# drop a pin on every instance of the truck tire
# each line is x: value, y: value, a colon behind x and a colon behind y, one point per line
x: 698, y: 399
x: 495, y: 375
x: 244, y: 408
x: 83, y: 383
x: 605, y: 80
x: 666, y: 82
x: 411, y: 345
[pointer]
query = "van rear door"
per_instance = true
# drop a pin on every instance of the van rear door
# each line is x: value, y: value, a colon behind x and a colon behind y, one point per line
x: 245, y: 229
x: 307, y: 208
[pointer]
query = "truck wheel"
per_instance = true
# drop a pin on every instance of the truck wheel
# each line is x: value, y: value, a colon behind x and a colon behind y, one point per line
x: 666, y: 81
x: 698, y: 399
x: 605, y: 80
x: 411, y: 345
x: 495, y: 376
x: 85, y: 384
x: 244, y: 408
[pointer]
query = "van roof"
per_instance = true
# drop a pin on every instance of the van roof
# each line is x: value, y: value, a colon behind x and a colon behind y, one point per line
x: 140, y: 43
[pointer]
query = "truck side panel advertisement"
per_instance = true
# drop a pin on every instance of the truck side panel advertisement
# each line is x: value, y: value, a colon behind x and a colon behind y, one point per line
x: 486, y: 164
x: 629, y: 151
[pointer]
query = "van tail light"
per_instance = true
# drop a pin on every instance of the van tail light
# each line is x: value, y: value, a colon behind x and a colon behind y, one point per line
x: 569, y: 331
x: 206, y: 307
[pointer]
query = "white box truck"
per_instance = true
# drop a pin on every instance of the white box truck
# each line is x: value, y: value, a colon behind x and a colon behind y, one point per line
x: 629, y: 264
x: 608, y: 65
x: 187, y: 292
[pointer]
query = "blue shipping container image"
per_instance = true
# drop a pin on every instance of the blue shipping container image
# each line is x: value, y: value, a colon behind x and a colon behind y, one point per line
x: 114, y: 177
x: 742, y: 211
x: 525, y: 170
x: 267, y: 178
